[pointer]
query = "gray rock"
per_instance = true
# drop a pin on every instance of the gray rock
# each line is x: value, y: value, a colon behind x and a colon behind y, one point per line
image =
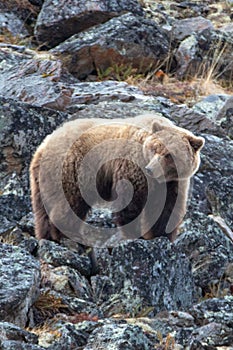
x: 207, y: 55
x: 214, y: 168
x: 37, y: 2
x: 58, y: 21
x: 18, y: 345
x: 26, y: 224
x: 38, y: 82
x: 22, y: 129
x: 219, y: 310
x: 71, y: 338
x: 118, y: 336
x: 10, y: 23
x: 149, y: 276
x: 210, y: 336
x: 225, y: 116
x: 19, y: 284
x: 86, y: 93
x: 208, y: 248
x: 187, y: 58
x: 67, y: 281
x: 52, y: 253
x: 20, y: 239
x: 211, y: 105
x: 129, y: 40
x: 114, y: 109
x: 195, y: 121
x: 219, y: 194
x: 213, y: 163
x: 11, y: 55
x: 9, y: 331
x: 183, y: 28
x: 81, y: 306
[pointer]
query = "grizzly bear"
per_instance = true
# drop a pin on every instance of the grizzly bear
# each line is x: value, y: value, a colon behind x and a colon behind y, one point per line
x: 138, y: 167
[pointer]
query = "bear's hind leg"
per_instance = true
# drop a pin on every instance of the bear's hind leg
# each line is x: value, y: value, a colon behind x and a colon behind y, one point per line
x: 44, y: 229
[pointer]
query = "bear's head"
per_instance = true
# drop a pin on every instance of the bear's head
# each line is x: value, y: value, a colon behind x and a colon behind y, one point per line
x: 172, y: 153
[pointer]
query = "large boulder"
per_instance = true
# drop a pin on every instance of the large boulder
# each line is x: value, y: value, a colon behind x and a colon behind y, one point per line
x: 58, y: 21
x: 19, y: 284
x: 146, y: 276
x: 209, y: 249
x: 127, y: 40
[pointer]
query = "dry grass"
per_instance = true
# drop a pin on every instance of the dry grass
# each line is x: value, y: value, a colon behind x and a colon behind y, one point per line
x: 167, y: 343
x: 48, y: 305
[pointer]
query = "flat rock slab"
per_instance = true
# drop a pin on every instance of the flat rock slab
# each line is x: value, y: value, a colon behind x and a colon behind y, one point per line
x: 58, y: 20
x: 126, y: 40
x: 38, y: 82
x: 19, y: 284
x: 87, y: 93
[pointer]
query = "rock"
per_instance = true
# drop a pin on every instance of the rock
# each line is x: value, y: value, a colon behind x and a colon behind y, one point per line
x: 10, y: 24
x: 219, y: 195
x: 26, y: 224
x: 118, y: 336
x: 149, y: 276
x: 8, y: 331
x: 69, y: 338
x: 114, y: 109
x: 12, y: 55
x: 20, y: 279
x: 185, y: 27
x: 23, y: 127
x: 211, y: 105
x: 86, y: 93
x: 213, y: 168
x: 210, y: 336
x: 218, y: 310
x: 57, y: 22
x: 193, y: 120
x: 187, y: 57
x: 213, y: 164
x: 68, y: 281
x: 127, y: 40
x: 39, y: 81
x: 18, y: 345
x: 20, y: 239
x: 225, y: 116
x: 208, y: 248
x: 206, y: 54
x: 37, y: 2
x: 52, y: 253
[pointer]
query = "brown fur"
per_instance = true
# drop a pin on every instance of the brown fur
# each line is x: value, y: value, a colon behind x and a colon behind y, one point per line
x: 80, y: 136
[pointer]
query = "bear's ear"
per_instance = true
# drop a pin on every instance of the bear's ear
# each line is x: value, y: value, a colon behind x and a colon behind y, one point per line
x: 157, y: 126
x: 196, y: 142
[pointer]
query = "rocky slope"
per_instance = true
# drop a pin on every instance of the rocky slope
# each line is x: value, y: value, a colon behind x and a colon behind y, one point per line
x: 145, y: 294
